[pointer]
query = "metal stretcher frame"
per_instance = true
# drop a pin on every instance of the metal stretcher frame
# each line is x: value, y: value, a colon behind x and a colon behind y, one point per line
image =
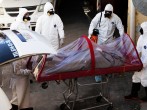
x: 73, y: 90
x: 94, y: 71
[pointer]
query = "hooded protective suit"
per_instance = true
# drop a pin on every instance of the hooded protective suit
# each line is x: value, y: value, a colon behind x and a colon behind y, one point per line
x: 141, y: 77
x: 19, y: 24
x: 20, y: 84
x: 20, y: 79
x: 50, y: 26
x: 107, y: 25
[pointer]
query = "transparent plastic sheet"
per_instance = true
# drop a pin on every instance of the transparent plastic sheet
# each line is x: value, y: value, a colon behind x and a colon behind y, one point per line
x: 73, y: 57
x: 77, y: 57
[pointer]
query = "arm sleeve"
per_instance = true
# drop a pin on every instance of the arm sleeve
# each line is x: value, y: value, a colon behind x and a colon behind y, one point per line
x: 18, y: 68
x: 93, y: 24
x: 60, y: 27
x: 138, y: 47
x: 38, y: 26
x: 13, y: 26
x: 120, y: 26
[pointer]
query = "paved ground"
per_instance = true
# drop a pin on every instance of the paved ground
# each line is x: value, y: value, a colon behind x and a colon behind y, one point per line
x: 52, y: 97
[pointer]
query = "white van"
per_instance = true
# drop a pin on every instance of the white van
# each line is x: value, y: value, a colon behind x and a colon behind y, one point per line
x: 9, y: 9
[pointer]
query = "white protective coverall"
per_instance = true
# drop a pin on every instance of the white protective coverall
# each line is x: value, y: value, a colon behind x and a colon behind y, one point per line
x: 141, y: 77
x: 4, y: 101
x: 107, y: 25
x: 20, y: 79
x: 19, y: 24
x: 50, y: 26
x: 20, y: 84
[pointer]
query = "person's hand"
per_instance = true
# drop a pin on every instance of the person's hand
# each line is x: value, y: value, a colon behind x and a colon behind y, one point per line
x: 25, y: 71
x: 61, y: 41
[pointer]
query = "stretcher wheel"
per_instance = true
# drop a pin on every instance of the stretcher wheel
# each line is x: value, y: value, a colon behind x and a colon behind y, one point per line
x: 64, y: 107
x: 31, y: 81
x: 98, y: 99
x: 137, y: 107
x: 110, y: 107
x: 44, y: 85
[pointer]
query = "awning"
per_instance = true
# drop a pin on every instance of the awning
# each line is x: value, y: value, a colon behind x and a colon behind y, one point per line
x: 18, y: 44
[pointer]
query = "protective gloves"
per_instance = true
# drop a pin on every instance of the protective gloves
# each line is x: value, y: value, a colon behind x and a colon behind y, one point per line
x: 25, y: 71
x: 61, y: 41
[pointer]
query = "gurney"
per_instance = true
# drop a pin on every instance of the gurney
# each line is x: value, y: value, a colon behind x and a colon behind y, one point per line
x: 85, y: 58
x: 80, y: 58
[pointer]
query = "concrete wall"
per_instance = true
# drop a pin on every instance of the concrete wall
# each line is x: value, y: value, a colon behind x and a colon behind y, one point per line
x: 139, y: 18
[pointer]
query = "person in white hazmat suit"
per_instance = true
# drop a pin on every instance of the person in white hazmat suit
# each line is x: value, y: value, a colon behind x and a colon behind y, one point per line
x: 140, y: 78
x: 20, y: 85
x: 22, y: 20
x: 20, y: 82
x: 50, y: 26
x: 105, y: 23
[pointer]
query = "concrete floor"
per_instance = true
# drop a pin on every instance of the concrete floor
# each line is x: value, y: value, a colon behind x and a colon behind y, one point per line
x: 51, y: 98
x: 114, y: 90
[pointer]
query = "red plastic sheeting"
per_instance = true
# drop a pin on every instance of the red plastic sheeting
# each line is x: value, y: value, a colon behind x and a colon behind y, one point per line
x: 83, y: 58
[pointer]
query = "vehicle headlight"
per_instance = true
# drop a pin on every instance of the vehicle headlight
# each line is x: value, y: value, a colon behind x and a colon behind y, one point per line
x: 41, y: 8
x: 1, y: 11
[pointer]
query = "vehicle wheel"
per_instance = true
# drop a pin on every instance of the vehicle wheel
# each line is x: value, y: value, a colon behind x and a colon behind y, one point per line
x: 98, y: 99
x: 64, y: 107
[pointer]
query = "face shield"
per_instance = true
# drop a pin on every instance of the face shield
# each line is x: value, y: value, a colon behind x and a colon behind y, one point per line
x: 50, y: 12
x: 108, y: 14
x: 26, y: 17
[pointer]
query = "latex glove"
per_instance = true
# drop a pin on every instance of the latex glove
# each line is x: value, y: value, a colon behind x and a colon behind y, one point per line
x: 61, y: 41
x: 25, y: 71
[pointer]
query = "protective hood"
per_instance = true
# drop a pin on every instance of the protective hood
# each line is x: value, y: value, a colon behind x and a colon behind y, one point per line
x: 48, y: 6
x: 144, y: 27
x: 22, y: 12
x: 109, y: 7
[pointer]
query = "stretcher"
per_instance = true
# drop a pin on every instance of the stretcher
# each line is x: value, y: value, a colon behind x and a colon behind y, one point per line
x: 85, y: 58
x: 80, y: 58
